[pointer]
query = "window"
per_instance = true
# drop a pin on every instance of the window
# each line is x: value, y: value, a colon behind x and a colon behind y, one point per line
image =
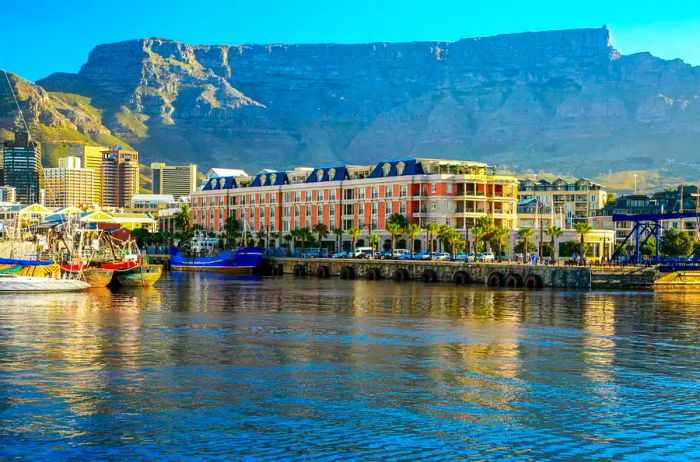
x: 332, y: 194
x: 388, y: 191
x: 399, y: 168
x: 331, y: 174
x: 296, y: 211
x: 449, y: 188
x: 348, y: 209
x: 386, y: 168
x: 388, y: 208
x: 375, y: 207
x: 402, y: 208
x: 375, y: 192
x: 434, y: 205
x: 361, y: 193
x: 263, y: 179
x: 287, y: 197
x: 433, y: 188
x: 361, y: 209
x: 273, y: 178
x: 403, y: 190
x: 331, y: 210
x: 308, y: 211
x: 297, y: 196
x: 348, y: 193
x: 319, y: 174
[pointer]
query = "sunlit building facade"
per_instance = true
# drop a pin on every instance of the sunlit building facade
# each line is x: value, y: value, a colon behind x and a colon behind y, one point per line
x: 449, y: 192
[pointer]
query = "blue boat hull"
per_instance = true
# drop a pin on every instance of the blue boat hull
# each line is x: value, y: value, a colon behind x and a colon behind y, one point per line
x: 242, y: 261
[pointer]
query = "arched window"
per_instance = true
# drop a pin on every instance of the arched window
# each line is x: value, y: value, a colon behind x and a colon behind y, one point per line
x: 273, y: 178
x: 263, y: 179
x: 386, y: 168
x: 399, y: 168
x: 331, y: 174
x: 319, y: 174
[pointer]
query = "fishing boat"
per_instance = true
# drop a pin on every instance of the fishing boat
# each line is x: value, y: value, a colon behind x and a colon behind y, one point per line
x: 16, y: 283
x: 93, y: 275
x: 144, y: 275
x: 242, y: 261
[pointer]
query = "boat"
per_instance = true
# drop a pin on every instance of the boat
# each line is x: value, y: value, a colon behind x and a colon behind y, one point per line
x: 144, y: 275
x: 15, y: 283
x: 242, y: 261
x: 93, y: 275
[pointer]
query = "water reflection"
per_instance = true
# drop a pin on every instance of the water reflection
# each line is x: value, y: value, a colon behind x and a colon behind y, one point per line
x: 284, y: 368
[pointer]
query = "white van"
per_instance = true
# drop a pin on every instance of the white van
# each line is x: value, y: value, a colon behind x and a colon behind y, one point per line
x: 363, y: 252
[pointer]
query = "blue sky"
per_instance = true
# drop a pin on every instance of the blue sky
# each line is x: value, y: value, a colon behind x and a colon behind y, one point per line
x: 47, y: 36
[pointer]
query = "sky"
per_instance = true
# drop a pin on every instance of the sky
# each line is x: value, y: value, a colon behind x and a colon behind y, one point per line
x: 47, y: 36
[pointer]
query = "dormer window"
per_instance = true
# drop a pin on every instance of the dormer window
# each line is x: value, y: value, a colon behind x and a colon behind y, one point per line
x: 399, y: 168
x: 386, y: 168
x: 273, y: 178
x: 263, y: 179
x: 331, y: 174
x: 319, y: 174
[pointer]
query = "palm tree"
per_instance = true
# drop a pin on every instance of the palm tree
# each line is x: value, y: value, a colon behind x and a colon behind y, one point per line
x: 183, y: 218
x: 397, y: 219
x: 395, y: 230
x: 261, y: 236
x: 288, y: 238
x: 499, y: 234
x: 354, y: 234
x: 296, y: 236
x: 412, y: 231
x: 478, y: 232
x: 430, y: 230
x: 525, y: 234
x: 554, y: 232
x: 231, y: 227
x: 582, y: 228
x: 274, y: 235
x: 320, y: 230
x: 305, y: 235
x: 338, y: 237
x: 454, y: 239
x: 373, y: 240
x: 443, y: 233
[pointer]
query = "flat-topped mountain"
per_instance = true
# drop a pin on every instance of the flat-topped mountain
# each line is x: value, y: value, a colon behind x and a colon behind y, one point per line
x: 560, y: 100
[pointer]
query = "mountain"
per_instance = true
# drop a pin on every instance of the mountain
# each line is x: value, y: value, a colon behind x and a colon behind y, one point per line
x: 563, y: 101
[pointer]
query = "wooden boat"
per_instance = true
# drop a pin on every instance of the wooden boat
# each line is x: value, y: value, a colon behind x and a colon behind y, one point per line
x: 140, y: 276
x: 15, y: 283
x: 93, y: 275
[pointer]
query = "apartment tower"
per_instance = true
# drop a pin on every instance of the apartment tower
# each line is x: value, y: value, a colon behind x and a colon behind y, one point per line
x: 120, y: 176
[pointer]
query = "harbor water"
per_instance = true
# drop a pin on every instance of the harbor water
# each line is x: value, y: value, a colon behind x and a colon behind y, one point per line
x: 207, y: 366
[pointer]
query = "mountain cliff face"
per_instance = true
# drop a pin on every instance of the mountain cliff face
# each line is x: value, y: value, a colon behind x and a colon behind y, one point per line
x: 562, y: 101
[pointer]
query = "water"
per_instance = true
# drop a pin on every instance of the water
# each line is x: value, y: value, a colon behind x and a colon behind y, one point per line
x: 205, y: 366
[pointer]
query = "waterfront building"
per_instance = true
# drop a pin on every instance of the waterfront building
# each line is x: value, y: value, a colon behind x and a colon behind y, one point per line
x: 120, y: 176
x: 91, y: 157
x: 69, y: 184
x: 176, y: 180
x: 449, y: 192
x: 561, y: 202
x: 167, y: 220
x: 21, y: 167
x: 151, y: 203
x: 218, y: 172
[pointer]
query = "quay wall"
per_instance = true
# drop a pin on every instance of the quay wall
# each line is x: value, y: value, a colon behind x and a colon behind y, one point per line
x: 511, y: 275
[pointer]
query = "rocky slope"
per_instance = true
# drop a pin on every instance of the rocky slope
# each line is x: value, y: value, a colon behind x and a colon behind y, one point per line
x: 560, y: 100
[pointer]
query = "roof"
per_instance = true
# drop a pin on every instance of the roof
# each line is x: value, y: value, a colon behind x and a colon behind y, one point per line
x: 327, y: 174
x: 270, y: 178
x: 222, y: 172
x: 156, y: 198
x: 215, y: 183
x: 397, y: 168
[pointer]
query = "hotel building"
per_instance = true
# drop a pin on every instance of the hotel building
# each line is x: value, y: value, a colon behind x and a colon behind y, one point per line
x: 21, y: 167
x: 120, y: 177
x: 561, y: 203
x: 346, y: 196
x: 176, y: 180
x: 91, y: 158
x: 69, y: 184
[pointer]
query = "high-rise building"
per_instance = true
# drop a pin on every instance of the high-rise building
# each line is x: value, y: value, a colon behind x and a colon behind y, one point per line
x: 120, y: 176
x: 91, y: 158
x: 21, y: 167
x: 8, y: 194
x: 177, y: 180
x: 69, y: 184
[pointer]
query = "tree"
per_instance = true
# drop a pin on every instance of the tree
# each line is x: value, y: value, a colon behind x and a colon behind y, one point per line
x: 522, y: 249
x: 525, y: 234
x: 305, y: 235
x: 648, y: 247
x: 338, y: 232
x: 354, y: 233
x: 582, y: 228
x: 696, y: 250
x: 611, y: 199
x: 261, y: 236
x: 274, y: 235
x: 296, y: 236
x: 320, y: 230
x: 478, y: 232
x: 395, y: 230
x: 288, y: 239
x: 183, y: 219
x: 443, y: 234
x: 569, y: 248
x: 498, y: 239
x: 141, y: 235
x: 232, y: 227
x: 554, y: 232
x: 676, y: 243
x: 397, y: 219
x: 430, y: 230
x: 455, y: 240
x: 373, y: 240
x: 412, y: 231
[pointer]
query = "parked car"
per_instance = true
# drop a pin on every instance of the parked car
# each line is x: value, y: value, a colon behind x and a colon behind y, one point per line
x: 341, y: 254
x: 398, y: 253
x: 405, y: 256
x: 485, y: 256
x: 363, y: 252
x: 462, y: 256
x: 421, y: 256
x: 442, y: 256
